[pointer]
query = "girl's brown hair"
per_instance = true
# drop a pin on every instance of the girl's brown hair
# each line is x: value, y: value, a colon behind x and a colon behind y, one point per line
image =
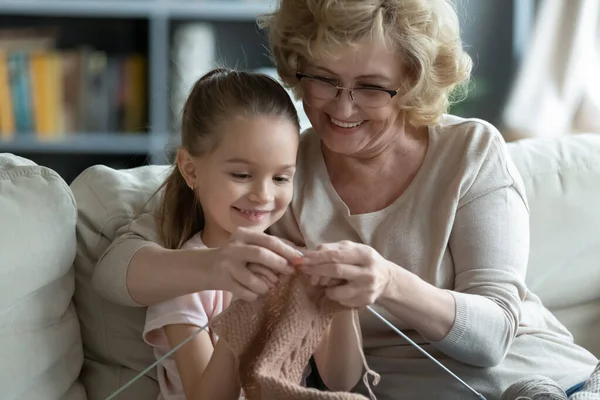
x: 220, y: 95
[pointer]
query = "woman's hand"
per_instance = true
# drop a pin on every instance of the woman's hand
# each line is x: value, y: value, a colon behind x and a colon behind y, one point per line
x: 362, y: 271
x: 248, y: 265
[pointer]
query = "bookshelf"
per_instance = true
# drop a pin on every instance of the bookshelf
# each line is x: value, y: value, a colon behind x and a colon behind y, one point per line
x: 140, y: 26
x: 148, y: 26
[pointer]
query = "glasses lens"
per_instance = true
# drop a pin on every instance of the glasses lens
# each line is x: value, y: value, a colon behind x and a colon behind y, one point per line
x: 371, y: 98
x: 315, y: 89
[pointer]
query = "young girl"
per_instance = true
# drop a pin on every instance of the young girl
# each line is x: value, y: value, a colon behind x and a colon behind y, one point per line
x: 235, y: 168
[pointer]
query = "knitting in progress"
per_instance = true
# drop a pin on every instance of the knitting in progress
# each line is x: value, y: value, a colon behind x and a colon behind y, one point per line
x: 274, y: 337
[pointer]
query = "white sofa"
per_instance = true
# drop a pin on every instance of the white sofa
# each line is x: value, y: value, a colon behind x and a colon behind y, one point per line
x: 42, y: 344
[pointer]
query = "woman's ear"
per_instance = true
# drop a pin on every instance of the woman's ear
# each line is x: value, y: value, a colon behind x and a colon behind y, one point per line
x: 187, y: 167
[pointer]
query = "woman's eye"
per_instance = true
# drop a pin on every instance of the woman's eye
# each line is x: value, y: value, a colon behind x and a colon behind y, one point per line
x: 368, y: 86
x: 240, y: 176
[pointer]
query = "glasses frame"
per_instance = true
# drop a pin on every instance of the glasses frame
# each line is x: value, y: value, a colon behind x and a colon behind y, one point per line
x: 351, y: 91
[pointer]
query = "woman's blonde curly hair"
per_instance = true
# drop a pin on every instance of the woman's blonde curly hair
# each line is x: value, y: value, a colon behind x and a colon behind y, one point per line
x: 425, y: 33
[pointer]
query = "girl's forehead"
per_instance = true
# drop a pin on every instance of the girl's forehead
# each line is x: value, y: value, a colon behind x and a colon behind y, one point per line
x: 258, y: 140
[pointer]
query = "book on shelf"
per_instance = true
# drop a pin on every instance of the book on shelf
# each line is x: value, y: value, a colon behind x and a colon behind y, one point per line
x: 50, y: 92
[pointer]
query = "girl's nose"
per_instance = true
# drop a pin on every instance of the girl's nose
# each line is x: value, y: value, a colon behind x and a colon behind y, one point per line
x: 261, y: 195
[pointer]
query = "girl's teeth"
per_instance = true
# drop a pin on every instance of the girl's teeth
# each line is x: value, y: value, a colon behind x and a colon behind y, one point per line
x: 345, y: 124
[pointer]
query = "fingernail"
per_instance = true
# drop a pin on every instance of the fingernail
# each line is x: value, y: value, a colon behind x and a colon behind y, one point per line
x: 298, y: 261
x: 301, y: 254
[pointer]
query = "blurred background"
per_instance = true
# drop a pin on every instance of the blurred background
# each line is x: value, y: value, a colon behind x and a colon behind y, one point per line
x: 85, y: 82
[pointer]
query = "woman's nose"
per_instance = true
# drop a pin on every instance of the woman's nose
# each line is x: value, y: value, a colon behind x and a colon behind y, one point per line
x: 344, y: 105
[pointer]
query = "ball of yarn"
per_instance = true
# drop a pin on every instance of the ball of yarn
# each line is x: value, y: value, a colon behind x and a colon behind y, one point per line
x: 534, y: 388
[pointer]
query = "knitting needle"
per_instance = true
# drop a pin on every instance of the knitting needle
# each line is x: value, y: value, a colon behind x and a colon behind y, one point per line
x: 415, y: 345
x: 144, y: 372
x: 169, y: 354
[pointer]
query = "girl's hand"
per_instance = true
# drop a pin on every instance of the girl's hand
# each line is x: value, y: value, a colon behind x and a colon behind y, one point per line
x: 362, y: 271
x: 248, y: 261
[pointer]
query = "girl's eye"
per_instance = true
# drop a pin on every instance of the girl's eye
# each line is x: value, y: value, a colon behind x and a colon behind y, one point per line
x: 281, y: 179
x: 240, y: 176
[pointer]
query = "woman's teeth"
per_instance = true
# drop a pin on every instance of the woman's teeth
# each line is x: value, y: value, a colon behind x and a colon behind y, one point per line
x: 343, y: 124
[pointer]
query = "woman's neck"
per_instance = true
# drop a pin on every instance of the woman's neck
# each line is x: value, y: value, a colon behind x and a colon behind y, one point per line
x: 370, y: 183
x: 380, y: 159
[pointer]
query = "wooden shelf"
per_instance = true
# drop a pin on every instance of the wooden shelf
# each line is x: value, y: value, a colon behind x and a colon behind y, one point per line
x: 218, y: 9
x: 97, y: 143
x: 198, y: 9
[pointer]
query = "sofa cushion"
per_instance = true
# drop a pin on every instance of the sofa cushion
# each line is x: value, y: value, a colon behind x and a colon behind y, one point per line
x: 40, y: 344
x: 109, y: 200
x: 562, y: 179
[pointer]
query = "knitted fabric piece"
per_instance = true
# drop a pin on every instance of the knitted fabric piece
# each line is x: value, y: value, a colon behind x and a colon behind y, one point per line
x: 591, y: 389
x: 274, y: 337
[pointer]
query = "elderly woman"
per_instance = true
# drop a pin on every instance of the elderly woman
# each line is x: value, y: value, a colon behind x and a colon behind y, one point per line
x: 403, y: 207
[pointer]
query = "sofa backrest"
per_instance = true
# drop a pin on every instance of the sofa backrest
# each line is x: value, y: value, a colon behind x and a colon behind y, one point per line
x: 109, y: 200
x: 40, y: 346
x: 562, y: 179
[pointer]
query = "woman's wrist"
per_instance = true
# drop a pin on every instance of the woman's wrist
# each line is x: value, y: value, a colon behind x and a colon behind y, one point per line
x: 398, y: 288
x: 427, y: 309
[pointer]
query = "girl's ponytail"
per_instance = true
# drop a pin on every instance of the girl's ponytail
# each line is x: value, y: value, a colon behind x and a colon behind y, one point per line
x: 179, y: 216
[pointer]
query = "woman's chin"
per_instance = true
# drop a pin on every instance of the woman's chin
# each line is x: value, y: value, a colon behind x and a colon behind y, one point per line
x: 343, y: 140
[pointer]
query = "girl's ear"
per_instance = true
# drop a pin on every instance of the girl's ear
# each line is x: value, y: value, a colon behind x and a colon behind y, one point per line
x: 187, y: 167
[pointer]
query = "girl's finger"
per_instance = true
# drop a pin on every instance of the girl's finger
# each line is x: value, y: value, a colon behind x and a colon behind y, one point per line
x: 264, y: 272
x: 278, y: 249
x: 240, y: 292
x: 243, y: 276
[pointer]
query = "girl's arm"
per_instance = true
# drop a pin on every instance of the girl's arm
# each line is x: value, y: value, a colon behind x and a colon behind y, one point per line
x: 205, y: 372
x: 338, y: 359
x: 136, y: 271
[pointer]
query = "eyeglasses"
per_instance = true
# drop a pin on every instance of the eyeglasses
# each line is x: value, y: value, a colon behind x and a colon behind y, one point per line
x: 320, y: 88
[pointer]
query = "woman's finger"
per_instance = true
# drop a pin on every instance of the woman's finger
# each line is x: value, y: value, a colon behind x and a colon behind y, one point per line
x: 344, y: 252
x: 337, y: 271
x: 272, y: 243
x: 334, y: 282
x: 323, y: 281
x: 346, y: 295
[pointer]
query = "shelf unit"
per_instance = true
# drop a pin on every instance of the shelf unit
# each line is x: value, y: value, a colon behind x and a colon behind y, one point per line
x: 160, y: 16
x: 81, y: 143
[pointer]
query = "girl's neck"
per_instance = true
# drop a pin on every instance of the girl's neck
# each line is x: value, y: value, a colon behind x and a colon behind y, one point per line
x: 214, y: 237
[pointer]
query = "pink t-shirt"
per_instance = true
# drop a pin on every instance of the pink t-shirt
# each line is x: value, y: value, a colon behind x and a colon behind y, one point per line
x: 193, y: 309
